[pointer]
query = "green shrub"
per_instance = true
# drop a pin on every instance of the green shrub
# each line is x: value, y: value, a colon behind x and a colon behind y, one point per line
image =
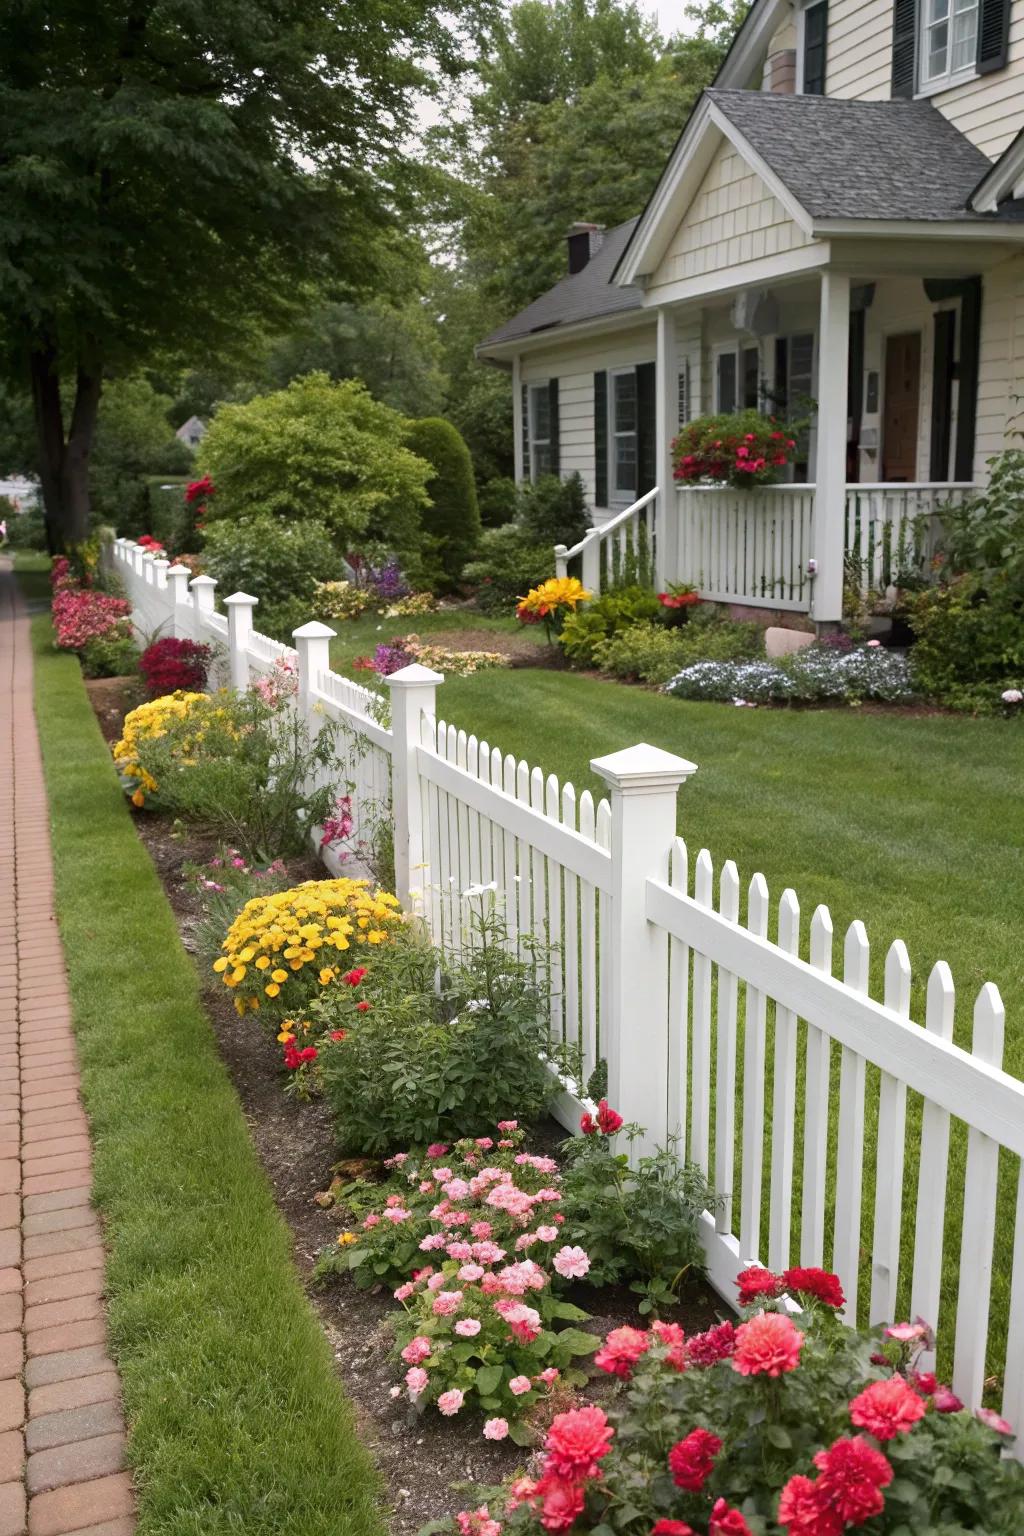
x: 553, y: 511
x: 615, y: 611
x: 509, y: 562
x: 985, y: 534
x: 970, y: 641
x: 168, y: 517
x: 497, y: 499
x: 134, y: 441
x: 113, y: 655
x: 320, y: 452
x: 447, y: 1048
x: 25, y: 530
x: 452, y: 518
x: 279, y: 563
x: 654, y: 652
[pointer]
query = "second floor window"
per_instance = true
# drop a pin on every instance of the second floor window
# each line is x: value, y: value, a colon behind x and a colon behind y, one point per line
x: 949, y: 43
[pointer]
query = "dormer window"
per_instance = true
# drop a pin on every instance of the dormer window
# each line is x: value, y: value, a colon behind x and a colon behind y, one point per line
x: 949, y: 43
x: 813, y: 34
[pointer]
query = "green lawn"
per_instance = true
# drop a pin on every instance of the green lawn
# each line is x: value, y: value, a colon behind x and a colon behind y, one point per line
x: 237, y: 1422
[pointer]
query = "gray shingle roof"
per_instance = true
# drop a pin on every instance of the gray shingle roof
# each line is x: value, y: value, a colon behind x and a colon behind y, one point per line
x: 860, y: 159
x: 587, y: 295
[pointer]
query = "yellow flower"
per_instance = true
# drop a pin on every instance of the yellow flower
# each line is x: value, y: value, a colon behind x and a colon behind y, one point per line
x: 272, y: 989
x: 262, y: 963
x: 221, y: 964
x: 279, y: 976
x: 327, y: 975
x: 345, y: 1238
x: 551, y: 595
x: 285, y: 1036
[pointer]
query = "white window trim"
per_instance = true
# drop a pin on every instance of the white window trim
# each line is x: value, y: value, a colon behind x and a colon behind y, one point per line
x: 951, y: 79
x: 617, y: 498
x: 737, y: 348
x: 531, y: 438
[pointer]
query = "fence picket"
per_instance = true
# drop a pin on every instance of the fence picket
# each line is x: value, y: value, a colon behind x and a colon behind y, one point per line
x: 1013, y: 1371
x: 816, y: 1107
x: 753, y: 1086
x: 678, y: 1007
x: 571, y: 937
x: 603, y: 837
x: 588, y: 945
x: 554, y: 920
x: 850, y: 1157
x: 980, y: 1187
x: 890, y: 1155
x: 539, y: 908
x: 780, y: 1217
x: 933, y: 1171
x: 700, y: 1113
x: 511, y: 861
x: 725, y: 1059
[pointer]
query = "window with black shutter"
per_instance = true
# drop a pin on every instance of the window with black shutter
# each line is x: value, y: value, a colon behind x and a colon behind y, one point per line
x: 553, y: 427
x: 993, y: 35
x: 646, y: 429
x: 942, y: 42
x: 815, y: 21
x: 904, y: 47
x: 943, y: 370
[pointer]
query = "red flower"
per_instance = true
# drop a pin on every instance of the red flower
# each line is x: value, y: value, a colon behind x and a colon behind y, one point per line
x: 692, y: 1461
x: 818, y: 1283
x: 946, y: 1401
x: 755, y: 1282
x: 804, y: 1510
x: 704, y: 1349
x: 608, y: 1120
x: 355, y: 976
x: 671, y: 1528
x: 853, y: 1474
x: 673, y: 1338
x: 198, y: 490
x: 588, y: 1125
x: 170, y: 664
x: 769, y: 1345
x: 562, y: 1502
x: 338, y: 1034
x: 362, y: 1007
x: 576, y: 1442
x: 925, y: 1382
x: 887, y: 1408
x: 727, y: 1522
x: 621, y: 1350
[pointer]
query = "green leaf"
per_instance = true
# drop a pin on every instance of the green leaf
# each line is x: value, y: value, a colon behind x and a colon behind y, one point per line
x: 577, y: 1342
x: 520, y: 1434
x: 565, y: 1311
x: 777, y: 1436
x: 488, y: 1379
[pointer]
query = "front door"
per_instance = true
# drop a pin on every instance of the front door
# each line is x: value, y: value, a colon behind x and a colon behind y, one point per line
x: 900, y: 413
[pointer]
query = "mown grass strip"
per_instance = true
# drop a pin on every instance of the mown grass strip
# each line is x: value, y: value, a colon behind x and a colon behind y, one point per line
x: 238, y: 1423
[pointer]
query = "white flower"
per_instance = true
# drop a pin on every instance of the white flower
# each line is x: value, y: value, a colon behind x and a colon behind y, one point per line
x: 1012, y: 696
x: 479, y: 890
x: 477, y: 1005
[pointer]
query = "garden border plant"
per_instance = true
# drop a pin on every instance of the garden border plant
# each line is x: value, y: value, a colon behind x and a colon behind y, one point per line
x: 215, y: 1343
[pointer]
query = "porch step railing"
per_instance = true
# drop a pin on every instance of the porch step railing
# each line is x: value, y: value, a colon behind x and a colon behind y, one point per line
x: 622, y: 550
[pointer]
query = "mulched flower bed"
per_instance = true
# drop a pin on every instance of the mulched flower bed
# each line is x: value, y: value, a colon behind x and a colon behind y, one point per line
x: 421, y: 1458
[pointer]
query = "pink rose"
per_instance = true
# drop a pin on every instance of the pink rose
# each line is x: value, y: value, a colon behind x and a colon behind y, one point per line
x: 450, y: 1402
x: 520, y: 1384
x: 547, y: 1234
x: 405, y: 1291
x: 467, y: 1327
x: 496, y: 1429
x: 416, y: 1380
x: 571, y: 1263
x: 470, y: 1272
x: 417, y: 1350
x: 446, y: 1303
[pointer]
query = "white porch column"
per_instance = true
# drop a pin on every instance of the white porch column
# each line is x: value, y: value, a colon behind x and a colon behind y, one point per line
x: 517, y: 420
x: 666, y: 394
x: 829, y: 540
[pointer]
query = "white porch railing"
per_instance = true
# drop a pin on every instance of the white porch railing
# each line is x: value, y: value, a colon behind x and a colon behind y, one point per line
x: 626, y: 545
x: 893, y: 529
x: 761, y: 1053
x: 740, y: 546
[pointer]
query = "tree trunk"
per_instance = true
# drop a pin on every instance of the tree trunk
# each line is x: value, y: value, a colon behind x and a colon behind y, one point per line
x: 63, y: 462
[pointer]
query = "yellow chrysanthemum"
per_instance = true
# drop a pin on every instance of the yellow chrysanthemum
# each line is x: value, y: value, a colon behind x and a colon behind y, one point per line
x: 148, y: 723
x: 552, y: 595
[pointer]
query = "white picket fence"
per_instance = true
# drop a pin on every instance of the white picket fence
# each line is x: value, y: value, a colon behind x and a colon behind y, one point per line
x: 837, y: 1128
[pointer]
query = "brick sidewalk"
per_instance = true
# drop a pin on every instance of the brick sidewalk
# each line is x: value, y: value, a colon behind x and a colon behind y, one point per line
x: 61, y: 1432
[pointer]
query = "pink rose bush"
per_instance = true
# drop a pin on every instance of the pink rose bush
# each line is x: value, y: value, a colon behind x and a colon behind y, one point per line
x: 81, y: 614
x: 787, y: 1423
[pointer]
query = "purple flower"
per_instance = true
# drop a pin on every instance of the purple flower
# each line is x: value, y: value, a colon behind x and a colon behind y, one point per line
x: 390, y: 658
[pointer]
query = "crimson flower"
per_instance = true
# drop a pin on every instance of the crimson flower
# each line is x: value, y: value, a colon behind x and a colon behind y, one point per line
x: 887, y: 1408
x: 803, y: 1508
x: 704, y: 1349
x: 853, y: 1475
x: 621, y: 1350
x: 576, y: 1442
x: 692, y: 1460
x: 671, y: 1528
x: 608, y: 1120
x: 561, y: 1502
x: 755, y: 1282
x: 363, y: 1007
x: 825, y: 1287
x: 727, y: 1522
x: 354, y: 977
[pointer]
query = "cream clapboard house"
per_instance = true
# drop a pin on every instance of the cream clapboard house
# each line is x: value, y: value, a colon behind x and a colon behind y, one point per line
x: 842, y: 218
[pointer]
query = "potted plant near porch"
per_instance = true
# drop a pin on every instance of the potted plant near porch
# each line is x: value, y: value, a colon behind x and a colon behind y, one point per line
x: 740, y: 448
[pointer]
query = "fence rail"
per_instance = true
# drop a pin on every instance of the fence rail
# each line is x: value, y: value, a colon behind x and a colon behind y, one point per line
x: 836, y: 1127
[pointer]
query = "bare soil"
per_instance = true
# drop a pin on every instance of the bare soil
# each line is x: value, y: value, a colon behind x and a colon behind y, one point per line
x: 522, y: 648
x: 422, y: 1458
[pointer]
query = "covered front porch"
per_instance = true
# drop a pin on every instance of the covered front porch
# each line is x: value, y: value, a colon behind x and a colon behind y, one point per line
x: 882, y: 366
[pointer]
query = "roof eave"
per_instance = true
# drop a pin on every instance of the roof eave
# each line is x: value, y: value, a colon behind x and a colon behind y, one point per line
x: 1002, y: 180
x: 486, y: 352
x: 753, y: 36
x: 917, y: 229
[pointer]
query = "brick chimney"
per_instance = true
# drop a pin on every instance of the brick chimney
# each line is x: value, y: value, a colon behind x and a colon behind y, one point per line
x: 584, y: 241
x: 781, y: 72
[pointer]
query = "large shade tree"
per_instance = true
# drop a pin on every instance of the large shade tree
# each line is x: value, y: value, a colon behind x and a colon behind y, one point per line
x: 172, y: 171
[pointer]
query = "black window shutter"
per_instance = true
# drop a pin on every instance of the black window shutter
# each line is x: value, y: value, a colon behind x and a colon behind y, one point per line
x: 942, y: 394
x: 525, y: 432
x: 815, y: 43
x: 967, y: 374
x: 646, y: 430
x: 904, y: 47
x: 780, y: 397
x: 993, y: 35
x: 601, y: 439
x: 553, y: 407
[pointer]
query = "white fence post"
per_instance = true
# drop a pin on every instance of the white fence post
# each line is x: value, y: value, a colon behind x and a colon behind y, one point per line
x: 239, y: 606
x: 592, y: 563
x: 644, y: 783
x: 160, y: 569
x: 313, y: 643
x: 203, y: 588
x: 413, y: 695
x: 178, y: 577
